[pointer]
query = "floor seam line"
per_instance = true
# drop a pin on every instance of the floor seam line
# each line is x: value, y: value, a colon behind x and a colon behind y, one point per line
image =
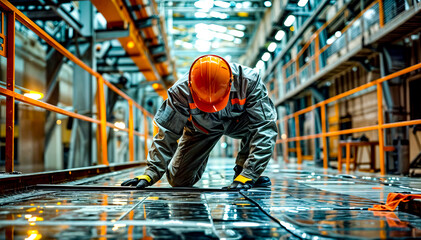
x: 210, y: 217
x: 131, y: 209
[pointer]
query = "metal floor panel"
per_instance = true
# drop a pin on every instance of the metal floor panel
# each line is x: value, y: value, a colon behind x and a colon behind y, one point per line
x: 307, y: 204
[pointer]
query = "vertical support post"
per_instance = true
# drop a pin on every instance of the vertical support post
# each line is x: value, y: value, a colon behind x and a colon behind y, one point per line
x: 297, y: 71
x: 10, y: 101
x: 298, y: 142
x: 324, y: 138
x: 317, y: 53
x: 103, y: 158
x: 285, y: 141
x: 145, y: 124
x: 380, y: 127
x: 381, y: 13
x: 339, y: 157
x: 131, y: 132
x: 348, y: 156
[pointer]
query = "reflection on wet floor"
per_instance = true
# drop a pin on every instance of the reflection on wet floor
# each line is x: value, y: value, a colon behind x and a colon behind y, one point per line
x: 310, y: 204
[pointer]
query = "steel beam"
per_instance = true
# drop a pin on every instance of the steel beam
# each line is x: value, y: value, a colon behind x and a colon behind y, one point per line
x: 224, y: 10
x: 69, y: 19
x: 81, y: 146
x: 112, y: 69
x: 228, y: 51
x: 295, y: 38
x: 117, y: 15
x: 110, y: 34
x: 228, y: 21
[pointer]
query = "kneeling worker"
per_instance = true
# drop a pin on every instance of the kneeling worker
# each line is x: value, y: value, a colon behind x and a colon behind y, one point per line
x: 213, y: 100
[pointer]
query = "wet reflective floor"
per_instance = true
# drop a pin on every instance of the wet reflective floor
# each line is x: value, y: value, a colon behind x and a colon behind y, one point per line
x: 301, y: 204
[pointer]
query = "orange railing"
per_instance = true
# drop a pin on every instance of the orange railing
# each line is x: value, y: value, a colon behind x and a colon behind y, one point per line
x: 294, y: 70
x: 322, y: 105
x: 294, y: 74
x: 12, y: 13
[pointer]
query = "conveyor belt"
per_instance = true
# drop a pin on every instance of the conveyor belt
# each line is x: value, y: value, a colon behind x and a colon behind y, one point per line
x: 118, y: 188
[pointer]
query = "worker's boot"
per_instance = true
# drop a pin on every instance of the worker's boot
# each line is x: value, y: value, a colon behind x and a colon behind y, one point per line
x: 262, y: 181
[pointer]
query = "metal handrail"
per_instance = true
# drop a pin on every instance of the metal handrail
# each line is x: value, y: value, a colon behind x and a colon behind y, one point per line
x: 380, y: 126
x: 13, y: 14
x: 322, y: 105
x: 315, y: 38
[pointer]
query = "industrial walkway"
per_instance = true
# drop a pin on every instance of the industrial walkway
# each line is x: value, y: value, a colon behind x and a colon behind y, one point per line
x: 306, y: 204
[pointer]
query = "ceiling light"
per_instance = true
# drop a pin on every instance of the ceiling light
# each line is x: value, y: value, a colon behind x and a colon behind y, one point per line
x: 202, y: 45
x: 272, y: 46
x: 330, y: 40
x: 204, y: 34
x: 246, y: 4
x: 260, y: 64
x: 218, y: 15
x: 236, y: 33
x: 239, y: 5
x: 204, y: 4
x: 130, y: 44
x: 222, y: 4
x: 217, y: 28
x: 279, y: 35
x: 155, y: 86
x: 302, y: 3
x: 215, y: 44
x: 265, y: 56
x: 187, y: 45
x: 200, y: 14
x: 338, y: 34
x: 120, y: 125
x: 237, y: 41
x: 240, y: 27
x: 289, y: 21
x: 267, y: 3
x: 200, y: 26
x: 34, y: 95
x: 224, y: 36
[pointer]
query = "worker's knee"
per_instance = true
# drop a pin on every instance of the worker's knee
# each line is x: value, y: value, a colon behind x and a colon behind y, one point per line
x: 179, y: 181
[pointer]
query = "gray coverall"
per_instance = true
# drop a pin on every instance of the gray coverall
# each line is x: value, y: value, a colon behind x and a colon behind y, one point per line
x: 249, y: 115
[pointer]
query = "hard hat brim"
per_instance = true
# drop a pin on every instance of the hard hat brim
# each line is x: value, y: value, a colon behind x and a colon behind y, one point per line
x: 211, y: 108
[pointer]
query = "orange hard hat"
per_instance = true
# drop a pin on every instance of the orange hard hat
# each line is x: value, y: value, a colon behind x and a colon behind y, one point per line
x: 210, y: 83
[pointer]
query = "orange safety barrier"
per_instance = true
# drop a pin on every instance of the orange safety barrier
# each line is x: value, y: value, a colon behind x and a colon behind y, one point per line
x: 12, y: 14
x: 294, y: 64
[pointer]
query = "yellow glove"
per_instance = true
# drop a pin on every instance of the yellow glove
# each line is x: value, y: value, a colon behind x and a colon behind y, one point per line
x: 141, y: 182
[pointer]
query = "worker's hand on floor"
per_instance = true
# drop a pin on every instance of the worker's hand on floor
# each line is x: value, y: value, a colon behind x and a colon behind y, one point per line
x: 241, y: 182
x: 140, y: 182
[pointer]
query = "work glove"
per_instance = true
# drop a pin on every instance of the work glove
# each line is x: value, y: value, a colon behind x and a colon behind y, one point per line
x: 262, y: 181
x: 140, y: 182
x: 241, y: 182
